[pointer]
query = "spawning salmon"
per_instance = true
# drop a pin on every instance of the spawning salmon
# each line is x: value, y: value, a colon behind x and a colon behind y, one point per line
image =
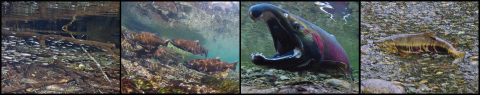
x: 417, y: 43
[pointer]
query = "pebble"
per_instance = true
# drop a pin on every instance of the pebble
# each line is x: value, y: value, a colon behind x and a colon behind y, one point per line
x: 262, y: 78
x: 284, y: 78
x: 435, y: 88
x: 322, y: 76
x: 277, y: 83
x: 255, y: 75
x: 25, y: 54
x: 456, y: 61
x: 377, y: 86
x: 6, y: 57
x: 257, y: 70
x: 474, y: 63
x: 26, y: 80
x: 268, y: 73
x: 474, y: 57
x: 342, y: 84
x: 248, y: 71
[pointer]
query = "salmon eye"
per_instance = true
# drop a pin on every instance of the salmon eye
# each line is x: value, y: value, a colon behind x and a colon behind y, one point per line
x: 296, y: 25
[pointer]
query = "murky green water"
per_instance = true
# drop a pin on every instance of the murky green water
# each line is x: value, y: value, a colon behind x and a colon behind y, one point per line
x: 256, y: 36
x: 455, y: 22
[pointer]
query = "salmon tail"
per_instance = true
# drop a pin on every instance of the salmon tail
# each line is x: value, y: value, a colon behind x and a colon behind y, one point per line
x: 206, y: 53
x: 166, y: 42
x: 351, y: 74
x: 461, y: 54
x: 234, y: 67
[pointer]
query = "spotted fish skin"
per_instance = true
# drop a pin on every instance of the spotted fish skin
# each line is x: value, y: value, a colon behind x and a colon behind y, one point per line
x: 417, y: 43
x: 190, y: 46
x: 210, y: 65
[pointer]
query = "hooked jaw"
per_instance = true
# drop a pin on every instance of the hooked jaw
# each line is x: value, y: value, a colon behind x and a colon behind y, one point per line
x: 286, y: 43
x: 277, y: 60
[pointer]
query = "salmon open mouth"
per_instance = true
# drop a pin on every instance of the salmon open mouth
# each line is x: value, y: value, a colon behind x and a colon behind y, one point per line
x: 286, y: 44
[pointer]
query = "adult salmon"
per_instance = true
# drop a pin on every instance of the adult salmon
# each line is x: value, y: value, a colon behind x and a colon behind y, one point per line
x: 210, y: 65
x: 301, y: 46
x: 417, y: 43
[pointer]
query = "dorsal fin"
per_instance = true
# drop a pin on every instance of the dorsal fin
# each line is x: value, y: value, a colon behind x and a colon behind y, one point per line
x: 429, y: 34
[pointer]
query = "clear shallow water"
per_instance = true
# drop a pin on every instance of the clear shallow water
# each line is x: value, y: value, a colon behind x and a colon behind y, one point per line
x: 218, y: 35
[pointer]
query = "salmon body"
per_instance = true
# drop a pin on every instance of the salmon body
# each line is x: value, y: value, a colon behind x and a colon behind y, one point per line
x: 417, y: 43
x: 149, y: 41
x: 190, y: 46
x: 210, y: 65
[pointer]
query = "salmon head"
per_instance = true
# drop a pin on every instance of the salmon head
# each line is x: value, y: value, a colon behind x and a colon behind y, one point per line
x: 386, y: 44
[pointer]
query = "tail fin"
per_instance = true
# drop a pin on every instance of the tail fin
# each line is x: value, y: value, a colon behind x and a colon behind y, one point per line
x: 234, y: 67
x: 351, y: 74
x: 185, y: 63
x: 206, y: 53
x: 166, y: 42
x: 461, y: 54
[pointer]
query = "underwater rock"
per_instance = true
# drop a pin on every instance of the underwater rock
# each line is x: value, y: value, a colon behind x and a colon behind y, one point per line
x: 268, y: 73
x: 293, y: 89
x: 342, y: 84
x: 62, y: 88
x: 248, y: 71
x: 255, y: 75
x: 257, y: 69
x: 377, y: 86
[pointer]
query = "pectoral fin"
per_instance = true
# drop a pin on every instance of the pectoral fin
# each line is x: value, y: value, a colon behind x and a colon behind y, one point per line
x: 332, y: 68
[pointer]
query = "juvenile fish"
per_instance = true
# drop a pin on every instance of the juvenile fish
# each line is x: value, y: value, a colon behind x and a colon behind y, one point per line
x: 417, y: 43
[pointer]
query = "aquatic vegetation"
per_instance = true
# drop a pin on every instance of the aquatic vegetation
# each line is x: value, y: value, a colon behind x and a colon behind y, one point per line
x: 148, y: 60
x: 222, y: 85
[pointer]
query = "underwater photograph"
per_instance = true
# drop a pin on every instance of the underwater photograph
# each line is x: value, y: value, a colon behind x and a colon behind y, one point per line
x: 67, y: 47
x: 180, y: 47
x: 299, y: 47
x: 419, y: 47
